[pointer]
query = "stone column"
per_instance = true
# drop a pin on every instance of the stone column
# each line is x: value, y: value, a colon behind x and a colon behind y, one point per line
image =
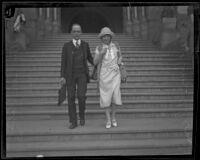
x: 40, y: 24
x: 154, y: 21
x: 55, y: 21
x: 127, y: 20
x: 143, y: 24
x: 48, y: 23
x: 136, y: 25
x: 59, y: 19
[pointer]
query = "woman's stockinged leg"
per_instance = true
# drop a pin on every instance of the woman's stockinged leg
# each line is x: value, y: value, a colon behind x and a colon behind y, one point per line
x: 113, y: 111
x: 114, y: 122
x: 108, y: 114
x: 108, y: 124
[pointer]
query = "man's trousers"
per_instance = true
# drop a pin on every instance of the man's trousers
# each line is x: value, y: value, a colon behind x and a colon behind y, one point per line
x: 79, y: 85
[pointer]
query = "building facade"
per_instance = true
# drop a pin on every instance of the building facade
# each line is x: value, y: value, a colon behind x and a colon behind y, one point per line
x: 155, y: 23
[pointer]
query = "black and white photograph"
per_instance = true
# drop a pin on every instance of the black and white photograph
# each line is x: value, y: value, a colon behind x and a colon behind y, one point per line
x: 98, y: 79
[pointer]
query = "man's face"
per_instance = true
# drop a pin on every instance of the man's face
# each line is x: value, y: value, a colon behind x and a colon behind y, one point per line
x: 76, y: 32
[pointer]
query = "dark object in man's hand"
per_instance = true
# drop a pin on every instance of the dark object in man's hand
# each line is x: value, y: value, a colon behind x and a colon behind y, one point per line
x: 61, y: 94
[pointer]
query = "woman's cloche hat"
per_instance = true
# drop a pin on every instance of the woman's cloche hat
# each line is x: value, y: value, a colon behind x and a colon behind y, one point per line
x: 105, y: 31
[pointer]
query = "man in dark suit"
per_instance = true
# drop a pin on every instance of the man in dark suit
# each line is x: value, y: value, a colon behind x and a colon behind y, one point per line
x: 75, y: 73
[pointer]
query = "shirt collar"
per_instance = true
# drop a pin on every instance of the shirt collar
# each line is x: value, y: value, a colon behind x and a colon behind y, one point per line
x: 74, y: 42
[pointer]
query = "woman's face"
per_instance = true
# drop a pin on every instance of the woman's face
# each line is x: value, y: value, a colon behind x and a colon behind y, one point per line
x: 106, y: 39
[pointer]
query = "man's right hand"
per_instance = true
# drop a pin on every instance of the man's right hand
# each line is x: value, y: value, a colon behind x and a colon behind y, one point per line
x: 62, y: 82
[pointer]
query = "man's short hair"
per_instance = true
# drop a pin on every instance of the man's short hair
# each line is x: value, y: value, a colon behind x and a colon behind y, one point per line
x: 76, y: 24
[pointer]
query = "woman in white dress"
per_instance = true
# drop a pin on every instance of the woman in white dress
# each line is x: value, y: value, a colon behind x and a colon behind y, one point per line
x: 108, y: 57
x: 19, y: 22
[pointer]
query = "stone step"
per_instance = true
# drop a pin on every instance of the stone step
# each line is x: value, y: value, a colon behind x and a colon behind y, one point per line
x: 127, y: 63
x: 101, y: 148
x: 131, y: 58
x: 130, y: 82
x: 91, y: 97
x: 59, y: 49
x: 57, y: 75
x: 93, y: 89
x: 130, y: 129
x: 92, y: 43
x: 129, y: 68
x: 94, y: 37
x: 91, y: 36
x: 131, y: 73
x: 137, y: 106
x: 127, y: 56
x: 126, y: 103
x: 14, y: 114
x: 96, y: 102
x: 131, y: 77
x: 129, y: 52
x: 134, y: 83
x: 127, y: 60
x: 57, y: 68
x: 25, y: 58
x: 92, y: 47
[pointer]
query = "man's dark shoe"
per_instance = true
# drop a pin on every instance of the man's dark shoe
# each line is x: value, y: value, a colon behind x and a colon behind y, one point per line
x: 73, y: 125
x: 82, y: 122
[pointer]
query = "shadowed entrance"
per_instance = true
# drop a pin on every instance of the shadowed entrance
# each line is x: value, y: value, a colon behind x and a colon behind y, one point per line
x: 91, y: 22
x: 92, y: 19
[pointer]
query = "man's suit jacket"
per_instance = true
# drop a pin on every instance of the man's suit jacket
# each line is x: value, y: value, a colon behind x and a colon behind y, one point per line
x: 67, y: 64
x: 67, y: 59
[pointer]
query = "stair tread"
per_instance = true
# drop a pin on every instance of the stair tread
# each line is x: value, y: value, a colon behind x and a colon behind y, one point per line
x: 123, y: 52
x: 98, y: 145
x: 52, y: 127
x: 39, y: 76
x: 169, y: 60
x: 97, y: 94
x: 138, y: 68
x: 58, y: 65
x: 48, y: 81
x: 96, y: 101
x: 60, y: 111
x: 128, y: 86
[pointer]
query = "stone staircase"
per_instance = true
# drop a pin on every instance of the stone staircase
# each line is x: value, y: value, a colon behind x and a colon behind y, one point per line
x: 156, y: 116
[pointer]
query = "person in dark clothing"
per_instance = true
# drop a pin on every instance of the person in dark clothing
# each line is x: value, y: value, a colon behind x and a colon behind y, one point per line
x: 75, y: 74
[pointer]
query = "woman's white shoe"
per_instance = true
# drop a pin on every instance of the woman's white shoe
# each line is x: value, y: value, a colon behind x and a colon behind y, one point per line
x: 114, y: 123
x: 108, y: 125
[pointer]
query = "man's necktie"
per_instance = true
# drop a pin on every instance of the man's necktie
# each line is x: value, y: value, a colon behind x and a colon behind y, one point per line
x: 77, y: 44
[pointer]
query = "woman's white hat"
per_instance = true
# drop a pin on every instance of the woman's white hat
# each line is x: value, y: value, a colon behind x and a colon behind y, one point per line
x: 105, y: 31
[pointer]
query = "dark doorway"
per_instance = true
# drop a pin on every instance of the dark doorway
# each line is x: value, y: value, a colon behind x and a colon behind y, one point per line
x: 92, y: 19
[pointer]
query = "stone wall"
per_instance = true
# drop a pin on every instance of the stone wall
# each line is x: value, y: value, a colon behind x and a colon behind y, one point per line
x: 168, y: 27
x: 154, y: 23
x: 178, y: 36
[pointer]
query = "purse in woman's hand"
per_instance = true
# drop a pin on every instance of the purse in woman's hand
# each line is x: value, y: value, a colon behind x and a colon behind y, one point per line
x: 94, y: 73
x: 123, y: 73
